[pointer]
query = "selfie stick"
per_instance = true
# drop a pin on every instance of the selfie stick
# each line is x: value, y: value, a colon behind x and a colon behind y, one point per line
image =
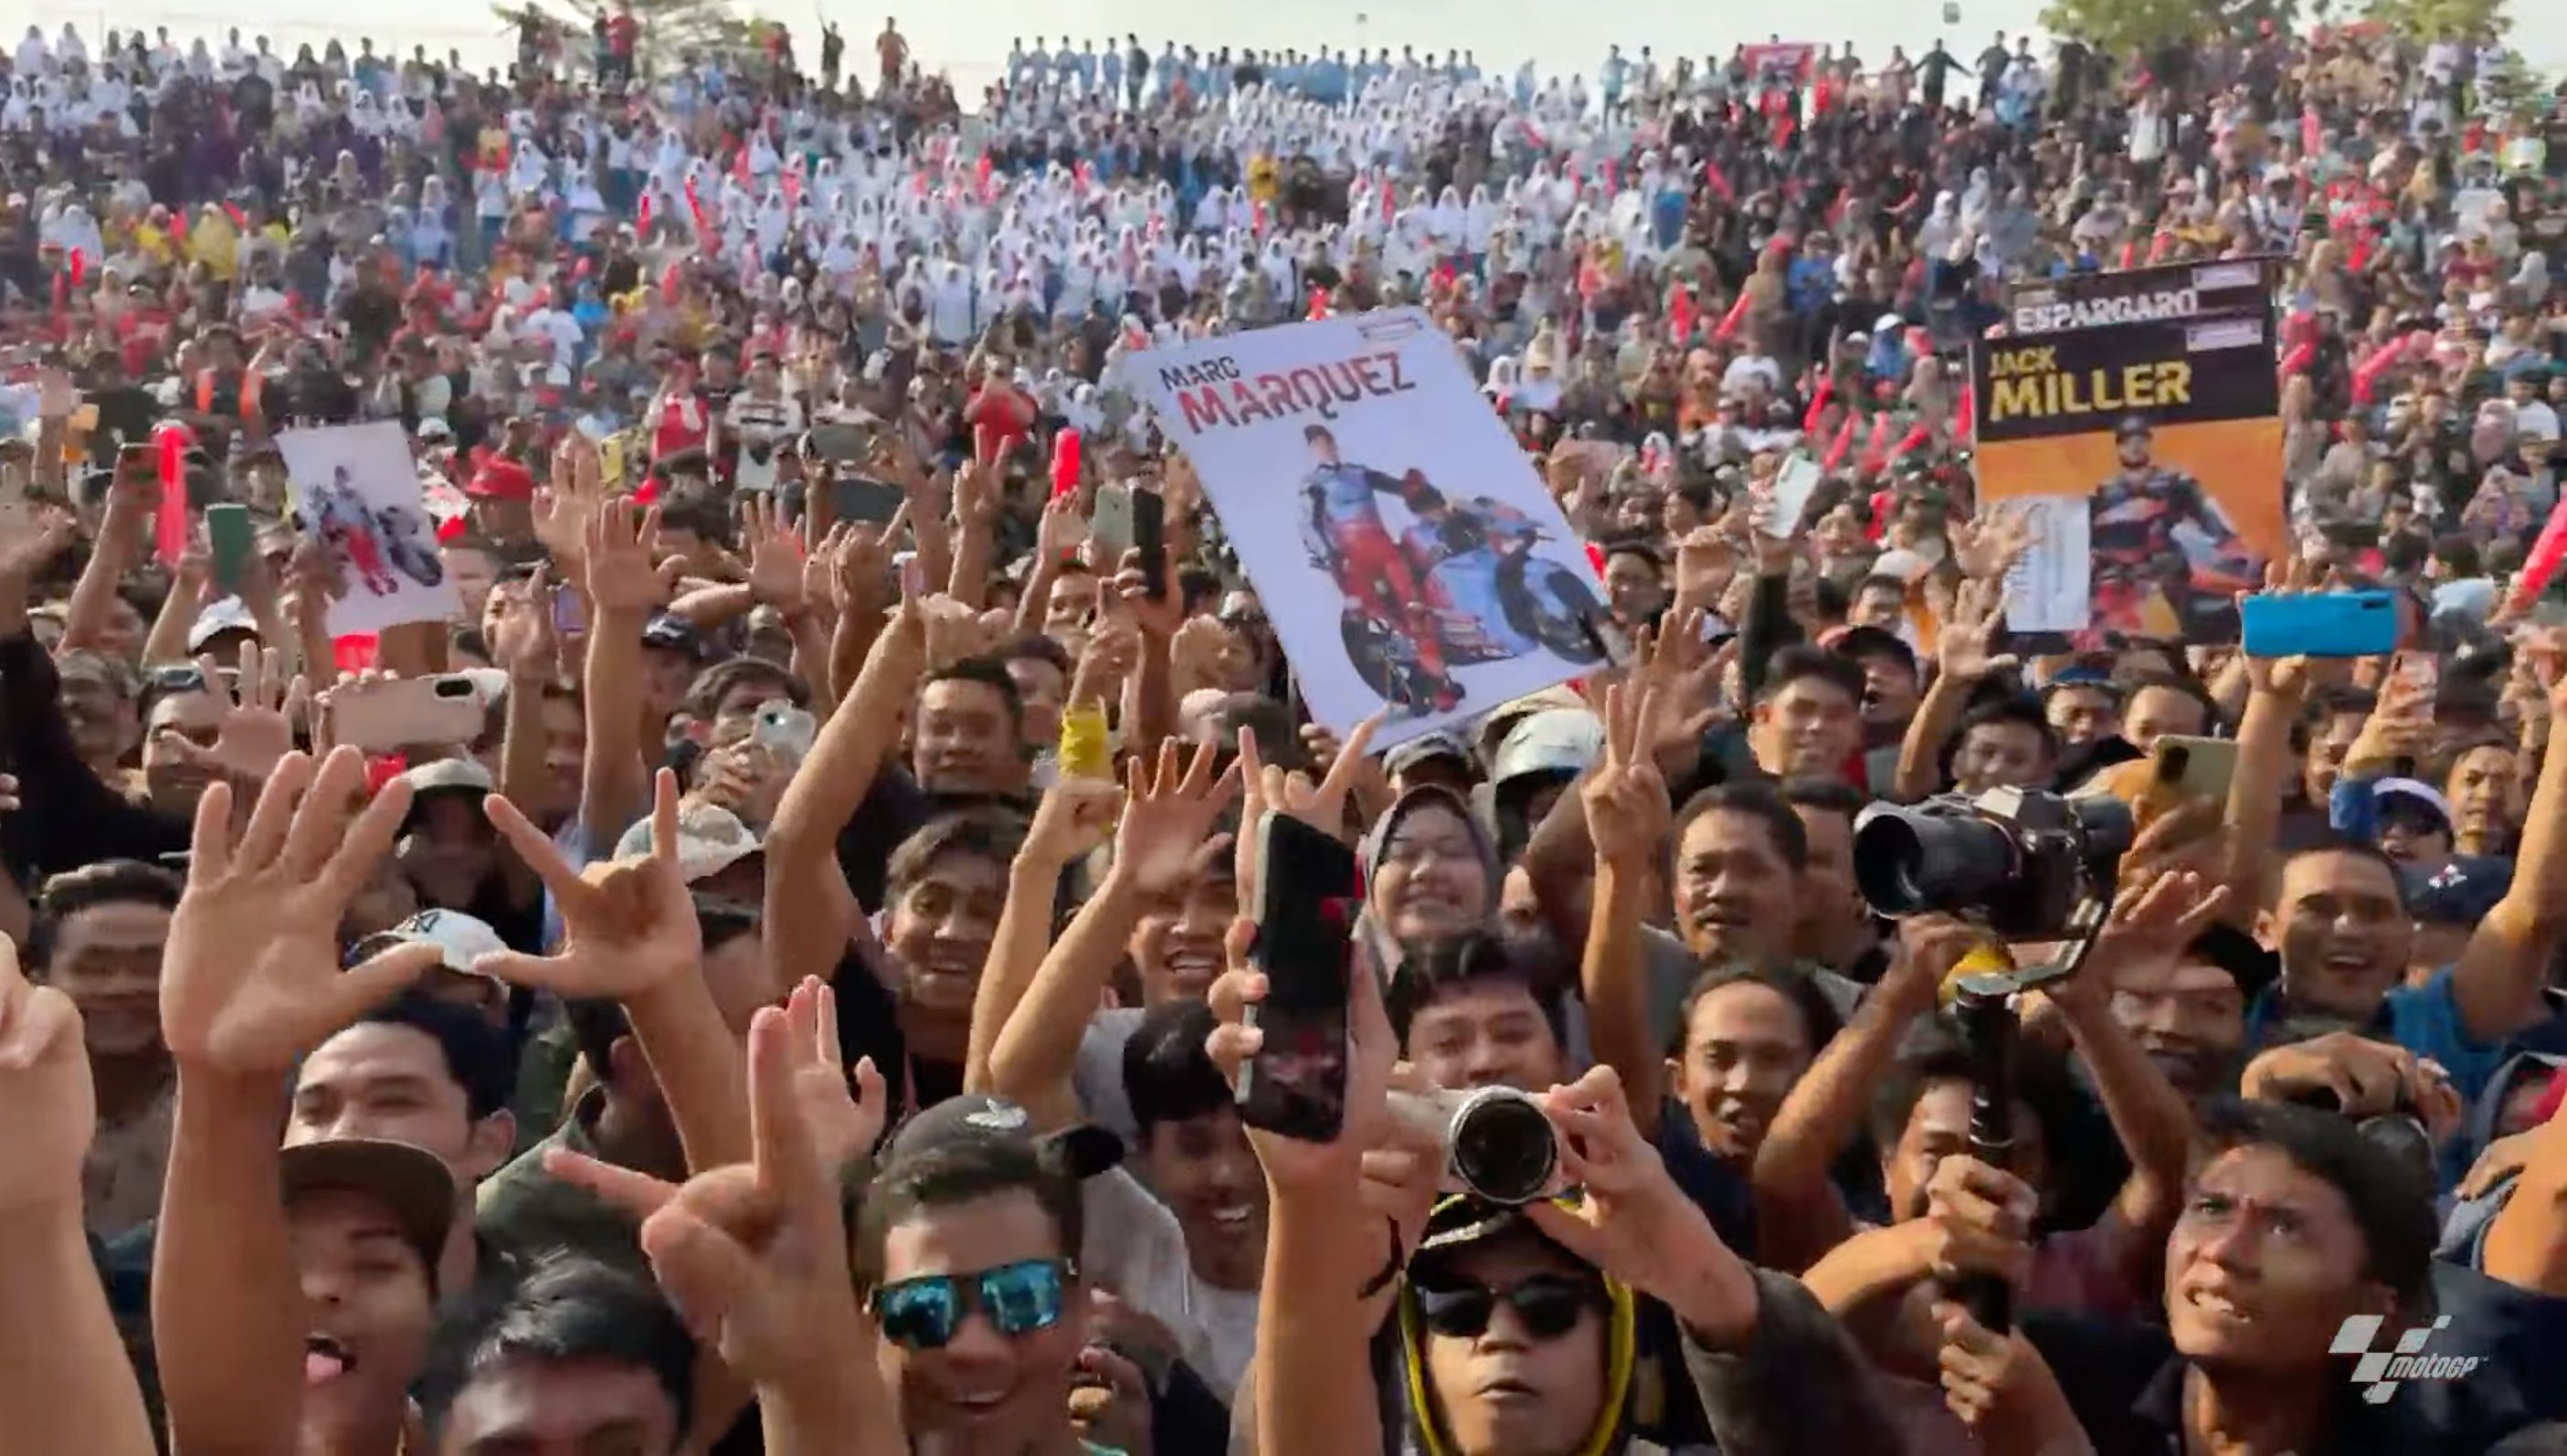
x: 1984, y: 1011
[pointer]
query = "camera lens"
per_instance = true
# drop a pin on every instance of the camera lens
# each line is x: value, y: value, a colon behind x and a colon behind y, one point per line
x: 1503, y: 1148
x: 1911, y: 861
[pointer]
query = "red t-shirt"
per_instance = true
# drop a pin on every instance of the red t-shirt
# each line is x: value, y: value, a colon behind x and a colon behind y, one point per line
x: 1001, y: 419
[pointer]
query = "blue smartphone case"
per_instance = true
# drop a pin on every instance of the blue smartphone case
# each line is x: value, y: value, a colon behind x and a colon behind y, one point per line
x: 2327, y: 624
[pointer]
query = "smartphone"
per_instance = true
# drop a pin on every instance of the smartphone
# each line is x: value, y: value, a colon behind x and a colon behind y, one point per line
x: 1794, y: 484
x: 1150, y: 538
x: 857, y: 498
x: 397, y: 713
x: 2194, y: 768
x: 2420, y: 673
x: 230, y: 540
x: 786, y: 729
x: 1306, y: 898
x: 2325, y: 624
x: 569, y: 618
x: 1110, y: 525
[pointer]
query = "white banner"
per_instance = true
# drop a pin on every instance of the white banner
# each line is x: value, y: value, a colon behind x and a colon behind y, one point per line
x: 1402, y: 543
x: 356, y: 491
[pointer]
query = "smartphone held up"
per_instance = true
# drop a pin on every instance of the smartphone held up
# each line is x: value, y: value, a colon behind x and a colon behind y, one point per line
x: 1307, y: 897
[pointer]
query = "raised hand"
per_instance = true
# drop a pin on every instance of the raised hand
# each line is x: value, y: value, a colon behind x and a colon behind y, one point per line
x: 1109, y: 656
x: 1293, y: 1167
x: 1988, y: 547
x: 955, y: 630
x: 975, y: 497
x: 257, y: 726
x: 1166, y: 839
x: 1076, y: 816
x: 1633, y: 1222
x: 1964, y: 648
x: 566, y: 511
x: 1682, y: 678
x: 1161, y: 617
x: 619, y: 554
x: 843, y: 1125
x: 250, y: 981
x: 24, y: 557
x: 776, y: 555
x: 522, y: 641
x: 1627, y: 813
x: 861, y: 560
x: 629, y: 927
x: 755, y: 1256
x: 1268, y: 788
x: 44, y: 1083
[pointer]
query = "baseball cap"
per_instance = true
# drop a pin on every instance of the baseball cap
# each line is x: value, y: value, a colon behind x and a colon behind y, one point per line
x: 460, y: 939
x: 231, y: 614
x: 1858, y: 642
x: 2463, y: 890
x: 673, y: 633
x: 2390, y: 791
x: 410, y: 1183
x: 1554, y: 741
x: 1423, y: 748
x: 448, y: 775
x: 1079, y: 1151
x: 710, y: 839
x: 500, y: 479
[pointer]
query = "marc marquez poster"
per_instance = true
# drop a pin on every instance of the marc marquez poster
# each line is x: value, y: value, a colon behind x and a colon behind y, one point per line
x: 1406, y: 551
x: 2142, y: 434
x: 355, y: 493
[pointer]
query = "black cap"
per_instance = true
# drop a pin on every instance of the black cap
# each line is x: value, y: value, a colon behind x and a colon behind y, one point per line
x: 675, y: 633
x: 1858, y: 642
x: 2131, y: 425
x: 1076, y: 1151
x: 2463, y: 890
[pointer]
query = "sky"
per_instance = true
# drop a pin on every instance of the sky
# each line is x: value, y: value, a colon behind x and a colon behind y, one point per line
x: 971, y: 40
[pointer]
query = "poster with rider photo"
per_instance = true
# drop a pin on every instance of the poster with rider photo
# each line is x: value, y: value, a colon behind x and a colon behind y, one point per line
x: 356, y: 491
x: 2162, y: 426
x: 1404, y: 548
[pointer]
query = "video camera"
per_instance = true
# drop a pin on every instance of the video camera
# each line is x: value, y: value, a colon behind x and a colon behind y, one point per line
x: 2016, y: 860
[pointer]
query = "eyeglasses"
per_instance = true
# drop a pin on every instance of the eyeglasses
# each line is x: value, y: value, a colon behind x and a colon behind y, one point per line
x: 924, y: 1313
x: 1546, y: 1304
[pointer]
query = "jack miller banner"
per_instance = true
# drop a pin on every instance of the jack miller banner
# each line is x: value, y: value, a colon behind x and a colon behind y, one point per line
x: 2141, y: 428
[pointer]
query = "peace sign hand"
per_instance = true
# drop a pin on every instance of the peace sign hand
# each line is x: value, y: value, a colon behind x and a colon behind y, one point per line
x: 250, y: 981
x: 1269, y: 788
x: 755, y: 1256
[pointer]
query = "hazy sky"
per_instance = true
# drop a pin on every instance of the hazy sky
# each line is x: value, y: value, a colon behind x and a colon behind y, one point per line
x: 971, y: 40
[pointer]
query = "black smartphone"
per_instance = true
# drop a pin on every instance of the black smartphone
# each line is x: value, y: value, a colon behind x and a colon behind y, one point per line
x: 1307, y: 897
x: 856, y: 498
x: 1150, y: 538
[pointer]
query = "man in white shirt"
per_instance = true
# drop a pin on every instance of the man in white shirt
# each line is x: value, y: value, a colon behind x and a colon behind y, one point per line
x: 765, y: 420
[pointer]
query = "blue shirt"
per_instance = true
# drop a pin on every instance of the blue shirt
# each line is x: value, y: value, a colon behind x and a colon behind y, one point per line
x: 2425, y: 1020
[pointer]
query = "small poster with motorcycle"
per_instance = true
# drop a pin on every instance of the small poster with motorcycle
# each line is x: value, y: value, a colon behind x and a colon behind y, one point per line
x: 1405, y: 549
x: 354, y: 490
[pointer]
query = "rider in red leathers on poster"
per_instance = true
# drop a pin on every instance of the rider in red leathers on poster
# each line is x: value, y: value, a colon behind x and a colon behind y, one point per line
x: 1343, y: 531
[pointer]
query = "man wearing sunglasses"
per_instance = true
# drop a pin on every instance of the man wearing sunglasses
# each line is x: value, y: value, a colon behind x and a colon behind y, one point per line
x: 967, y: 1250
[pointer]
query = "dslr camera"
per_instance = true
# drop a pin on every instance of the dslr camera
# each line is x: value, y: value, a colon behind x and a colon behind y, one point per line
x: 2015, y: 860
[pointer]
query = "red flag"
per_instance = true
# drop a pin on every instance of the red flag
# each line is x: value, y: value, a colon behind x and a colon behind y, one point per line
x: 1737, y: 315
x: 1681, y: 312
x: 1319, y: 304
x: 1065, y: 463
x: 79, y: 266
x: 2543, y: 564
x: 694, y: 205
x: 1843, y: 442
x: 353, y: 653
x: 1965, y: 415
x: 646, y: 213
x: 1818, y: 403
x: 169, y: 525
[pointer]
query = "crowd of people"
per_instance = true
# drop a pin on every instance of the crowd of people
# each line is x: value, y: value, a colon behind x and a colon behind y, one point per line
x: 774, y: 972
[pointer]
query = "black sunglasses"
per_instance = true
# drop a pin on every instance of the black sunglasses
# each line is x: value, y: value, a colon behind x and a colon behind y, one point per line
x: 1546, y: 1304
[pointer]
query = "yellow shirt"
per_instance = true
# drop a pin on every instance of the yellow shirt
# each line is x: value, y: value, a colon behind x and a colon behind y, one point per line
x: 214, y: 242
x: 1265, y: 180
